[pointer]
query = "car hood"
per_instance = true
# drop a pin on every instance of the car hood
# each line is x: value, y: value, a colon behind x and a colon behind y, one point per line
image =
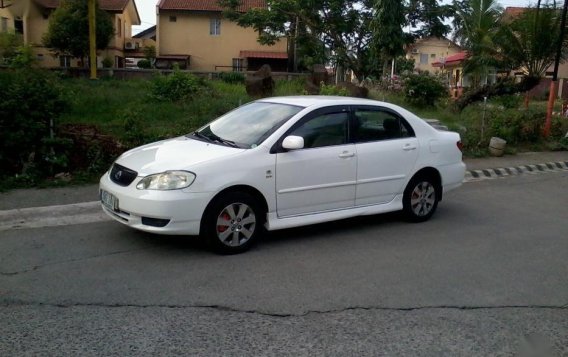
x: 174, y: 154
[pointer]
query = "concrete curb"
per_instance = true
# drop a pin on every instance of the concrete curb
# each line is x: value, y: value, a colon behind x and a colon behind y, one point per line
x: 488, y: 174
x: 51, y: 216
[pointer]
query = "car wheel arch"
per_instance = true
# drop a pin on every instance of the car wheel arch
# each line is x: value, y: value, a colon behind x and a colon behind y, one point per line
x: 431, y: 173
x: 255, y: 193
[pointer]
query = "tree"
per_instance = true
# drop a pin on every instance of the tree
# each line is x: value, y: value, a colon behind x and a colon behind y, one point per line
x: 477, y: 24
x: 529, y: 42
x: 338, y: 29
x: 68, y: 29
x: 388, y: 37
x: 428, y: 17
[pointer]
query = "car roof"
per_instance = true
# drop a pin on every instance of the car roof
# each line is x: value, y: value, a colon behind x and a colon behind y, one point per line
x: 323, y: 100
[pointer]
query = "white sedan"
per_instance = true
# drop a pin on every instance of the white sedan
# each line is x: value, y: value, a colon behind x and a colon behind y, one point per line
x: 284, y: 162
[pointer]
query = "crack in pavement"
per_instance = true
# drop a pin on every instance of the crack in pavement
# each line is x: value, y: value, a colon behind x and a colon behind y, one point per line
x: 36, y: 267
x: 7, y: 303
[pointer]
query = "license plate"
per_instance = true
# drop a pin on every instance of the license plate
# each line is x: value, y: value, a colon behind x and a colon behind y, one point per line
x: 109, y: 200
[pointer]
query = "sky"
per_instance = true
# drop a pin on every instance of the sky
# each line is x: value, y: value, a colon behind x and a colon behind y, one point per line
x: 147, y: 11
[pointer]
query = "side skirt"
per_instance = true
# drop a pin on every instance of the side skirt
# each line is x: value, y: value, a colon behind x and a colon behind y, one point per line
x: 275, y: 223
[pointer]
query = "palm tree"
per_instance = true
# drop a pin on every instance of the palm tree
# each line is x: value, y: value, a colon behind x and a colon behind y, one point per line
x: 476, y: 26
x: 530, y: 41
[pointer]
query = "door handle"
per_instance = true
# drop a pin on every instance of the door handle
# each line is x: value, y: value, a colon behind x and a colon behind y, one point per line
x: 346, y: 154
x: 409, y: 147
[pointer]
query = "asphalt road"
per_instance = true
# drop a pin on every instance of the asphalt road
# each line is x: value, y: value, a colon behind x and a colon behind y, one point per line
x: 488, y: 275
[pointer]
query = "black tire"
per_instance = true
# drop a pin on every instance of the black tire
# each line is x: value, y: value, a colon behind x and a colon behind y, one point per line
x: 243, y: 223
x: 421, y: 198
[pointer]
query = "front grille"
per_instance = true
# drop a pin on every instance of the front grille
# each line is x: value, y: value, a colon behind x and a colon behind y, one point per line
x: 121, y: 175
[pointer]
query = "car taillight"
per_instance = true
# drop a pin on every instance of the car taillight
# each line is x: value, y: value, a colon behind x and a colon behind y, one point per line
x: 460, y: 145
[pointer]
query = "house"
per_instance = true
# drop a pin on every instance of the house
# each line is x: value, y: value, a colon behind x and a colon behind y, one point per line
x: 452, y: 66
x: 194, y: 34
x: 426, y: 51
x: 30, y: 19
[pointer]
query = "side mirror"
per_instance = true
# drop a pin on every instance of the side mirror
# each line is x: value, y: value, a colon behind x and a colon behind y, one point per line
x: 293, y: 142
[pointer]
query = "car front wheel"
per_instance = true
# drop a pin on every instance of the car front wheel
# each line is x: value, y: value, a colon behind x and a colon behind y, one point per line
x: 420, y: 199
x: 233, y: 223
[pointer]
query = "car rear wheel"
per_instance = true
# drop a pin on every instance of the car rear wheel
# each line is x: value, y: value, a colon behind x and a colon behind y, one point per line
x: 233, y: 223
x: 421, y: 198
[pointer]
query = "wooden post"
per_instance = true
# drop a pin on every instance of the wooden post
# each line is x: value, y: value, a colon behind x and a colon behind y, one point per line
x: 92, y: 40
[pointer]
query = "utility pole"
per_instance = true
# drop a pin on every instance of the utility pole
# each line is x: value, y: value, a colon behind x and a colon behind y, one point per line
x: 92, y: 40
x: 552, y: 95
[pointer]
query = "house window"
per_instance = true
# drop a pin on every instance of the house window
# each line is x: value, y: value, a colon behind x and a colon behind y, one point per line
x: 119, y: 28
x: 4, y: 24
x: 19, y: 26
x: 65, y: 61
x: 173, y: 18
x: 215, y: 27
x: 433, y: 55
x: 423, y: 58
x: 40, y: 57
x: 238, y: 64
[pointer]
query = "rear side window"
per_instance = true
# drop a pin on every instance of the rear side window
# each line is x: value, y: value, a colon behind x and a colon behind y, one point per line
x: 377, y: 125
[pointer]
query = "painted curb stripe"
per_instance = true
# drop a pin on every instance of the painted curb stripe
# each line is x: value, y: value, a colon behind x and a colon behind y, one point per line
x: 487, y: 174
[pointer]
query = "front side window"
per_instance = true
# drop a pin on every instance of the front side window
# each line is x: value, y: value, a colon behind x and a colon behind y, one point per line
x: 423, y: 58
x: 375, y: 125
x: 215, y: 27
x: 249, y: 125
x: 119, y: 28
x: 324, y: 130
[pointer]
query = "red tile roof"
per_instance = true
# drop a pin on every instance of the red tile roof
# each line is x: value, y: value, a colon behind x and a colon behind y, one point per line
x: 263, y: 54
x: 513, y: 12
x: 108, y: 5
x: 450, y: 60
x: 207, y: 5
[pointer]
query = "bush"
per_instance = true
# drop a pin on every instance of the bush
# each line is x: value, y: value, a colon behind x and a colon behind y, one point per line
x: 176, y: 86
x: 509, y: 101
x: 144, y: 63
x: 108, y: 62
x: 333, y: 90
x: 516, y: 126
x: 232, y: 77
x: 32, y: 100
x: 424, y: 89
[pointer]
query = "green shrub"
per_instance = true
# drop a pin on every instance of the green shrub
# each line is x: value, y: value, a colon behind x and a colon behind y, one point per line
x: 176, y: 86
x: 326, y: 89
x: 424, y: 89
x: 133, y: 129
x: 32, y: 100
x: 108, y: 62
x: 508, y: 101
x: 144, y: 63
x: 232, y: 77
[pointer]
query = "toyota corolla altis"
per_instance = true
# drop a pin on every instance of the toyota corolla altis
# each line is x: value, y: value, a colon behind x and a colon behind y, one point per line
x: 284, y: 162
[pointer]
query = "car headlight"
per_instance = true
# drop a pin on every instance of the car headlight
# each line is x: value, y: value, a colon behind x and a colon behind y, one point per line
x: 169, y: 180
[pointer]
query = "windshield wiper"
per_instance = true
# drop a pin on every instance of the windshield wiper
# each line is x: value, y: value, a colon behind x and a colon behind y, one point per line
x: 202, y: 136
x: 215, y: 138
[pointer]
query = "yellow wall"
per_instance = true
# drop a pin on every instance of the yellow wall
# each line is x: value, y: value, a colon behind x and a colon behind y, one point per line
x: 434, y: 48
x: 189, y: 35
x: 35, y: 26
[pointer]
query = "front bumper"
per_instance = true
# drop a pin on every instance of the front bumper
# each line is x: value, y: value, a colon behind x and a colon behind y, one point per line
x: 181, y: 210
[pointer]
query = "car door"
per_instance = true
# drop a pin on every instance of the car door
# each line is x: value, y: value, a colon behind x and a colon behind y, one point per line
x: 387, y: 150
x: 322, y: 175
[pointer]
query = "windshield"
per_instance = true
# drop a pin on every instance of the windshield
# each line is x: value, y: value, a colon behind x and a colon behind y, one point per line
x: 249, y: 125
